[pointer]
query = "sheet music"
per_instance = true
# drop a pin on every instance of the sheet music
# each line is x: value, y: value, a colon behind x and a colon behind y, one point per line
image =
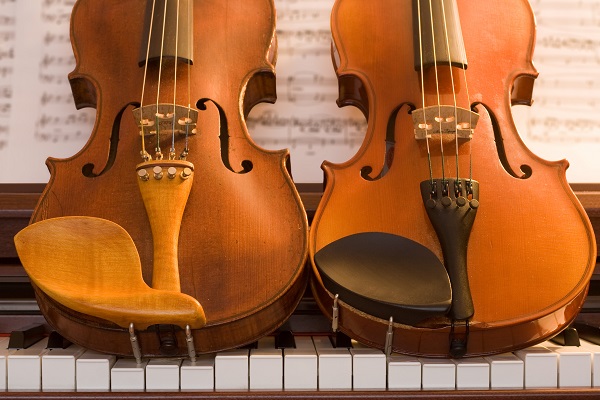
x: 7, y: 54
x: 42, y: 120
x: 305, y: 117
x: 563, y: 123
x: 38, y: 118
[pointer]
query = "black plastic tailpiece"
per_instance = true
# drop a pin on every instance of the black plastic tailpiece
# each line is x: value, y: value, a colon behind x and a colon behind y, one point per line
x: 451, y: 206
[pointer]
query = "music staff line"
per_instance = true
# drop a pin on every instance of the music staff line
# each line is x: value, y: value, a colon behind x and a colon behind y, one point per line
x: 309, y: 125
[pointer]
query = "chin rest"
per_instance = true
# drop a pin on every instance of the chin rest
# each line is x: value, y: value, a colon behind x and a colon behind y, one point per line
x: 92, y: 266
x: 386, y: 275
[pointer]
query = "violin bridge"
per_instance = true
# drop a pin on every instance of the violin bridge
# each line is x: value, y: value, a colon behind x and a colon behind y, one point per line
x: 168, y: 118
x: 444, y: 120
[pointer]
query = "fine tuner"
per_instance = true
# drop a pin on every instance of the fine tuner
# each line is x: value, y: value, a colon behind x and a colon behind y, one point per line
x: 184, y: 171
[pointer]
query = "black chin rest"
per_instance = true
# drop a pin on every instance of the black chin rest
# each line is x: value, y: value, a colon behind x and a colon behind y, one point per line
x: 386, y: 275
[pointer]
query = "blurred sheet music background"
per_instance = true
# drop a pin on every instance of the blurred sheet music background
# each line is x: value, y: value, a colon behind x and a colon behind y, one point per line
x: 38, y: 118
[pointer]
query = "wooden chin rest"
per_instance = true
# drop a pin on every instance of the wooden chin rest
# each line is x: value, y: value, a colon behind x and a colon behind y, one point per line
x: 92, y: 266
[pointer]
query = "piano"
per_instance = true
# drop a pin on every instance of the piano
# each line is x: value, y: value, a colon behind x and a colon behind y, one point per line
x: 314, y: 369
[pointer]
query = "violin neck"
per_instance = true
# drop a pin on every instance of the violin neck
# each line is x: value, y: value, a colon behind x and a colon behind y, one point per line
x: 437, y: 34
x: 178, y: 31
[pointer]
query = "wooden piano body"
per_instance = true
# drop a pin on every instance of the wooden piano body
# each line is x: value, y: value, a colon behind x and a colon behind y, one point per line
x: 19, y: 309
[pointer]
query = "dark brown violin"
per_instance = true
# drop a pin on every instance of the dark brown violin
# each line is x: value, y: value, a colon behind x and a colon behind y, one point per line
x: 444, y: 235
x: 172, y: 82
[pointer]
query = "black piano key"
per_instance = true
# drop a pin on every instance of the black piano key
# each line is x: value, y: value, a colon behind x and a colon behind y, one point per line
x: 285, y: 340
x: 57, y: 341
x: 341, y: 340
x: 588, y: 332
x: 568, y: 337
x: 25, y: 337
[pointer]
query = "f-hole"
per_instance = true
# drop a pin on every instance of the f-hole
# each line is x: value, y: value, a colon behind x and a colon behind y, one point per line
x: 88, y: 169
x: 526, y: 170
x: 224, y: 138
x: 390, y: 143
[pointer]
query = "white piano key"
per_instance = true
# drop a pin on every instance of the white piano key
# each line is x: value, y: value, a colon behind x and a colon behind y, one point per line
x: 335, y: 365
x: 541, y: 367
x: 438, y: 374
x: 506, y: 371
x: 322, y: 342
x: 163, y: 374
x: 300, y: 365
x: 231, y: 370
x: 266, y: 366
x: 472, y: 373
x: 58, y: 368
x: 199, y: 375
x: 3, y: 363
x: 574, y: 365
x: 92, y: 371
x: 404, y: 372
x: 595, y: 354
x: 304, y: 342
x: 368, y: 368
x: 128, y: 375
x: 25, y: 367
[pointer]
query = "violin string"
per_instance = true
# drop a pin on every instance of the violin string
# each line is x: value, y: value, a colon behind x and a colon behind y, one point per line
x: 189, y: 83
x: 437, y: 88
x: 144, y: 153
x: 423, y: 91
x: 464, y: 68
x: 453, y: 90
x: 172, y: 150
x: 470, y: 123
x: 162, y: 47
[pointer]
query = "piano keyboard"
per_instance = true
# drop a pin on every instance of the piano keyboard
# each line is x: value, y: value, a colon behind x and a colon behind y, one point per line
x: 314, y: 364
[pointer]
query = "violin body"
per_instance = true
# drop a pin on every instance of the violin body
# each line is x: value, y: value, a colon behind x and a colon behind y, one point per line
x: 243, y: 236
x: 531, y: 250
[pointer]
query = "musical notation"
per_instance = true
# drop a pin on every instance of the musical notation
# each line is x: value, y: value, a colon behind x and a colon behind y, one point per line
x: 7, y: 47
x: 37, y: 112
x: 54, y: 124
x: 36, y: 57
x: 305, y: 117
x: 561, y: 122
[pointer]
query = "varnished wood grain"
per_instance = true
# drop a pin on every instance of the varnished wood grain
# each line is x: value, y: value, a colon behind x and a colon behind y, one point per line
x: 242, y: 244
x: 532, y: 248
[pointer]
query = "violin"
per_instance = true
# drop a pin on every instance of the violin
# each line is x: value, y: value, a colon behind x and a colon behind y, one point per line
x: 444, y: 235
x: 214, y: 229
